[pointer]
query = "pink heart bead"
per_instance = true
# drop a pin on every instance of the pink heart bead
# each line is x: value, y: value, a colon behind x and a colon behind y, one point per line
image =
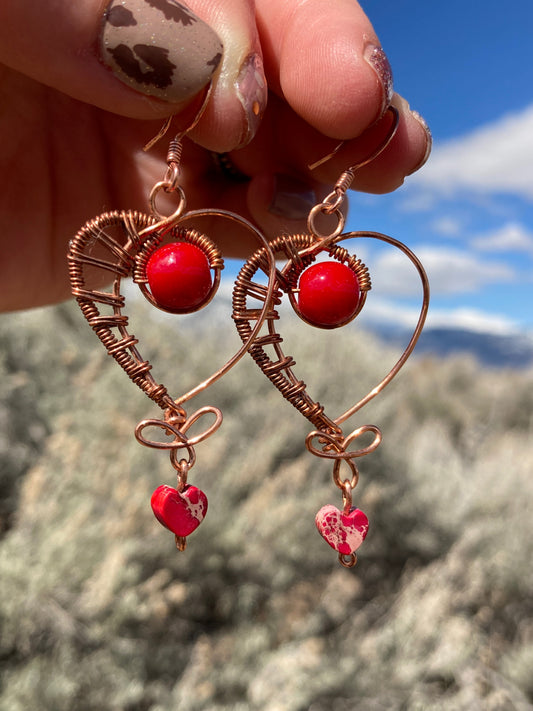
x: 181, y: 512
x: 343, y: 532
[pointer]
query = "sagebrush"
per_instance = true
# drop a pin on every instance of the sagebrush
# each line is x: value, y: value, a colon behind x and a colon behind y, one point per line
x: 98, y: 611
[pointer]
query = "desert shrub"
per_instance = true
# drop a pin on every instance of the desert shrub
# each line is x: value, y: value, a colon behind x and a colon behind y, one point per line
x: 98, y: 611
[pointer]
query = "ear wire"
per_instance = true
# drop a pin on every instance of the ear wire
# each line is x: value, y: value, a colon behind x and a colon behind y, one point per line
x: 181, y: 134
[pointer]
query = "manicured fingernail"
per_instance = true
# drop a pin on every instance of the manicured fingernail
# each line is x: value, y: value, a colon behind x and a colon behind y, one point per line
x: 252, y: 92
x: 429, y: 140
x: 377, y: 59
x: 159, y: 47
x: 292, y: 198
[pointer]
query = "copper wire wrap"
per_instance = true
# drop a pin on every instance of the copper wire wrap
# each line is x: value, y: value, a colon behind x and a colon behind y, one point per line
x: 299, y: 250
x: 117, y: 234
x: 116, y: 245
x: 327, y: 440
x: 278, y: 371
x: 177, y: 234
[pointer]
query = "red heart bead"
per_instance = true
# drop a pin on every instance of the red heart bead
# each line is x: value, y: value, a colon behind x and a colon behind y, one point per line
x: 343, y: 532
x: 181, y: 512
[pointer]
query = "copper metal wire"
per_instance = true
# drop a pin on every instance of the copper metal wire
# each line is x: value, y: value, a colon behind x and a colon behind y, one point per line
x: 116, y: 232
x: 372, y: 156
x: 300, y: 251
x: 178, y: 234
x: 332, y: 204
x: 279, y: 371
x: 120, y: 244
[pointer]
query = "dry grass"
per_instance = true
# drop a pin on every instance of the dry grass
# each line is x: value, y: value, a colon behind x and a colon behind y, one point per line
x: 98, y: 611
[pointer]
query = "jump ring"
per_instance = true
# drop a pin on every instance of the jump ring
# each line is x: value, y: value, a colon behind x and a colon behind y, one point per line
x: 163, y: 185
x: 322, y: 209
x: 336, y: 474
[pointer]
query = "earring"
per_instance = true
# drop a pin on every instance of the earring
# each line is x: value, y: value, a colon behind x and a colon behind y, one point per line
x: 178, y: 270
x: 325, y: 293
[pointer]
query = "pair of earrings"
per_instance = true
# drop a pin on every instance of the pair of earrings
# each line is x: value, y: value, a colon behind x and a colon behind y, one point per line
x: 178, y: 270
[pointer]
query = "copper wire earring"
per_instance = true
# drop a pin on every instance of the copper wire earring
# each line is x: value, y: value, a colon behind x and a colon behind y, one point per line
x: 178, y: 270
x: 159, y: 251
x: 325, y: 294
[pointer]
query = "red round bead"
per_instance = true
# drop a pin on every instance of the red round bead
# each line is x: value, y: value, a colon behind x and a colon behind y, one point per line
x: 179, y: 276
x: 328, y: 294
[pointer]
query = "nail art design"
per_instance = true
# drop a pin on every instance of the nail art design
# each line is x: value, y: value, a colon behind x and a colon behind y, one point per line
x: 379, y: 62
x: 429, y: 140
x: 252, y: 92
x: 159, y: 47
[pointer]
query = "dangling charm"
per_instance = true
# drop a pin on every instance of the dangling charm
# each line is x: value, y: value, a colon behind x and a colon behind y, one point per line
x: 343, y: 530
x: 178, y: 270
x: 180, y: 510
x: 325, y: 293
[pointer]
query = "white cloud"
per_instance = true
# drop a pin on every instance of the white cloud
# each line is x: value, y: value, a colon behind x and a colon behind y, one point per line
x: 511, y: 237
x: 383, y: 311
x: 450, y: 271
x: 379, y: 310
x: 447, y: 226
x: 471, y: 320
x: 495, y: 158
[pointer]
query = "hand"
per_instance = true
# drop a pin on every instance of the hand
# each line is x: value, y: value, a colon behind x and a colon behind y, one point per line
x: 73, y: 128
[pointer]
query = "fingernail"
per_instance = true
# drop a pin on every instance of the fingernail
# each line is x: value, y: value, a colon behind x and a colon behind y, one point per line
x: 429, y: 140
x: 376, y: 57
x: 252, y: 92
x: 293, y: 199
x: 159, y: 47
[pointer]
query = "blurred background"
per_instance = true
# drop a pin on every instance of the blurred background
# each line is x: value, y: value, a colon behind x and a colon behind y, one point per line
x: 99, y: 612
x: 468, y: 214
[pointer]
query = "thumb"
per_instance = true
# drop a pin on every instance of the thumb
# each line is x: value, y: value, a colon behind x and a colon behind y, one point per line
x: 143, y: 59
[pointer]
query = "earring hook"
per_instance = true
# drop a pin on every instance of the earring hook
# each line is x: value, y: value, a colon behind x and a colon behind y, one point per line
x: 170, y: 183
x: 162, y: 132
x: 332, y: 203
x: 382, y: 146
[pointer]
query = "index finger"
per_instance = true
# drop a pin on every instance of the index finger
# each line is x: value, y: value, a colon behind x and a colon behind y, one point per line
x: 325, y: 59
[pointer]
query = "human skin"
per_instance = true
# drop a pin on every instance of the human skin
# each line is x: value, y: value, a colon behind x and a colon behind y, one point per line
x: 72, y: 132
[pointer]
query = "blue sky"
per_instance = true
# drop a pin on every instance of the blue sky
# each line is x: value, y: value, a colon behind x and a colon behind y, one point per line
x: 468, y: 69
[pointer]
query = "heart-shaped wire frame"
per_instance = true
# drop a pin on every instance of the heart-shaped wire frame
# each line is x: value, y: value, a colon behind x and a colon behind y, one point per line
x: 116, y: 244
x: 297, y: 249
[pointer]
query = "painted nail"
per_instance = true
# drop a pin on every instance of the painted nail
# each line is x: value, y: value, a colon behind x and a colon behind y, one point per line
x: 252, y: 92
x: 429, y: 140
x: 376, y: 57
x: 159, y: 47
x: 293, y: 199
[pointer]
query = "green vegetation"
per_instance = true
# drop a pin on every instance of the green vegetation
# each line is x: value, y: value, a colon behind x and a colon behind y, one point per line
x: 99, y: 612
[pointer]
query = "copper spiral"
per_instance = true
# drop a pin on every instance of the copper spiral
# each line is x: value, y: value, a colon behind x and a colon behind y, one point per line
x: 344, y: 182
x: 178, y: 234
x: 300, y: 251
x: 279, y: 371
x: 299, y: 243
x: 111, y: 328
